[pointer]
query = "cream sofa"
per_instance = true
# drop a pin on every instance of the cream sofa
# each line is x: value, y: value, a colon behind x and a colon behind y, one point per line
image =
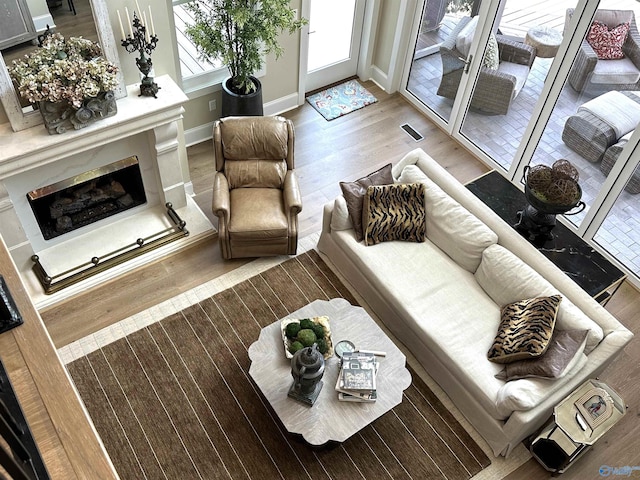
x: 442, y: 299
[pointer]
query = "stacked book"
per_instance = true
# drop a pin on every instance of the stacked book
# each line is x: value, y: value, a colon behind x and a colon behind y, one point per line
x: 357, y: 377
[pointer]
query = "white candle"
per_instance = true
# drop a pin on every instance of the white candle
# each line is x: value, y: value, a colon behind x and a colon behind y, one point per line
x: 146, y: 29
x: 121, y: 27
x: 140, y: 13
x: 126, y: 10
x: 153, y: 29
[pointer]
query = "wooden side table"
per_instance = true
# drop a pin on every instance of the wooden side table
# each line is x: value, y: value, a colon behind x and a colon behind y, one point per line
x: 545, y: 40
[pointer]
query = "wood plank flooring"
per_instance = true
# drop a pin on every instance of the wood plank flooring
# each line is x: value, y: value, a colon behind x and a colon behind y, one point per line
x: 326, y: 153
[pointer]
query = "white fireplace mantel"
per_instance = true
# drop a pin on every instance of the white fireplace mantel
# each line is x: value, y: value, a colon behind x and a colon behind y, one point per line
x: 29, y: 158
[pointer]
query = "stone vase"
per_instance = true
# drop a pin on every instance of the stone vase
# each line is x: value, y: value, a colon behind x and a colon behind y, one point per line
x: 61, y: 116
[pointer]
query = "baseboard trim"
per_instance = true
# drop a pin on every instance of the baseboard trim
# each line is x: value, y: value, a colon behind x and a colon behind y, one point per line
x: 202, y: 133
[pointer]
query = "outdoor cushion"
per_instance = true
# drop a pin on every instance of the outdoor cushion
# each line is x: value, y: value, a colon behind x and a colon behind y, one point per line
x: 518, y: 71
x: 607, y: 43
x: 491, y: 58
x: 620, y: 72
x: 616, y: 110
x: 465, y: 37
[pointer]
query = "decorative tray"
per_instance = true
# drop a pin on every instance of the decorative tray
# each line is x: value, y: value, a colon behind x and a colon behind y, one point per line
x: 289, y: 340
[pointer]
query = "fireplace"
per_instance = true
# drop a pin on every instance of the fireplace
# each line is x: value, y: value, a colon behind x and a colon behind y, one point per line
x: 78, y: 201
x: 74, y: 255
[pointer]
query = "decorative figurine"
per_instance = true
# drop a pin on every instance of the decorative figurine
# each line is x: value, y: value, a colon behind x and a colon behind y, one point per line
x: 144, y: 40
x: 307, y: 368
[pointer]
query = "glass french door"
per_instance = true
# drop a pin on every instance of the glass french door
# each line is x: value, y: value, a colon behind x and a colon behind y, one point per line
x: 536, y: 127
x: 335, y: 31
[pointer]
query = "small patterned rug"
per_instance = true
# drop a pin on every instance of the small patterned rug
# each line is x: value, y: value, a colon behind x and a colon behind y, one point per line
x: 341, y: 99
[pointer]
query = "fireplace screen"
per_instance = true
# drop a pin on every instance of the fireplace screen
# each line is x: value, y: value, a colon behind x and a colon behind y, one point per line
x: 86, y: 198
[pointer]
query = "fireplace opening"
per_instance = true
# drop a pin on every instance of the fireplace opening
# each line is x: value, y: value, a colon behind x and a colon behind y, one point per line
x: 87, y: 198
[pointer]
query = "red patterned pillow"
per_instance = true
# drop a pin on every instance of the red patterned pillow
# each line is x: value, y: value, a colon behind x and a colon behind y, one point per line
x: 607, y: 43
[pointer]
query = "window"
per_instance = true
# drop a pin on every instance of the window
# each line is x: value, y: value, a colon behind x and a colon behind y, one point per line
x: 196, y: 74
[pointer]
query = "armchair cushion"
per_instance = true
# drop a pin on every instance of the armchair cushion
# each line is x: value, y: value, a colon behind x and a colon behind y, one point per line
x: 607, y: 43
x: 622, y: 71
x: 257, y: 213
x: 255, y: 173
x: 266, y: 139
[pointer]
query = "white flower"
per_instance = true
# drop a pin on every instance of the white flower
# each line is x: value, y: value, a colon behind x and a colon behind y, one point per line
x: 60, y: 70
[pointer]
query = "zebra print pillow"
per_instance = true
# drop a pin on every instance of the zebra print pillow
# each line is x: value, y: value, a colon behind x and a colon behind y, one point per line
x: 394, y: 212
x: 525, y: 329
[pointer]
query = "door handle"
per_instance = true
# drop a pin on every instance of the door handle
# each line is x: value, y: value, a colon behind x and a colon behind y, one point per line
x: 467, y: 63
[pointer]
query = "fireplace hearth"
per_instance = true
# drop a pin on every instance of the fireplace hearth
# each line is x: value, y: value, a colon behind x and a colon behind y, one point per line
x: 87, y: 198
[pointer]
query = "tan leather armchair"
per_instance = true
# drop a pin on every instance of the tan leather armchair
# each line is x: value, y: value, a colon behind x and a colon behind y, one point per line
x: 255, y: 190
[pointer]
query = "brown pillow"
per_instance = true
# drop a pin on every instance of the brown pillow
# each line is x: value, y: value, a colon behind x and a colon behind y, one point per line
x: 525, y: 329
x: 354, y: 193
x: 394, y: 212
x: 563, y: 348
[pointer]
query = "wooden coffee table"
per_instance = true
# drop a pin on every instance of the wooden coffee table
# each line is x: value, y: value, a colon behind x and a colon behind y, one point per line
x: 328, y: 419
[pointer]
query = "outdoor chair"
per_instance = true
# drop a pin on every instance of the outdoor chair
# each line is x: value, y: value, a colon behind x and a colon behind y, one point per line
x: 495, y: 89
x: 255, y: 190
x: 589, y: 74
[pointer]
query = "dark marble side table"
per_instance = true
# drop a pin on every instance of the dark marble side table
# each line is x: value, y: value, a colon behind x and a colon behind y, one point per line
x: 588, y: 268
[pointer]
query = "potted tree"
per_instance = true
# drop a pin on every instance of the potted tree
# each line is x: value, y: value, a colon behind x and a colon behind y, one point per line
x: 239, y: 33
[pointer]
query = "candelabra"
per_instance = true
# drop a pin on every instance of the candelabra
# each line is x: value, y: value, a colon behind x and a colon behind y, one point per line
x: 139, y: 40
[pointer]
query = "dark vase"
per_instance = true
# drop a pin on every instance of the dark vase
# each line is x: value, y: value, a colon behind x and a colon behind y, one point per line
x: 234, y: 104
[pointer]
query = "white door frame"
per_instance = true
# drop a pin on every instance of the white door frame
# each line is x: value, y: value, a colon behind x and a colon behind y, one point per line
x: 367, y: 39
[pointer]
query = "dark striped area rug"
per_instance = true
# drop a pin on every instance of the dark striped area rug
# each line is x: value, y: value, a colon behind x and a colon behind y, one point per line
x: 175, y: 400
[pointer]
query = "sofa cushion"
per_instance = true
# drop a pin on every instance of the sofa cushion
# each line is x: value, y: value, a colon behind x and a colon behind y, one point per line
x: 393, y: 212
x: 563, y: 352
x: 506, y: 279
x: 340, y: 219
x: 354, y: 192
x: 607, y: 43
x: 525, y: 329
x: 426, y: 286
x: 449, y: 225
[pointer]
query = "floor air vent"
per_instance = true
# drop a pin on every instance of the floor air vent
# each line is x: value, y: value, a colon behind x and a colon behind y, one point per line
x: 412, y: 132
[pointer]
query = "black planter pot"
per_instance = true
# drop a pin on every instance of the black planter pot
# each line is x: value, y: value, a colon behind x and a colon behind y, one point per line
x: 234, y: 104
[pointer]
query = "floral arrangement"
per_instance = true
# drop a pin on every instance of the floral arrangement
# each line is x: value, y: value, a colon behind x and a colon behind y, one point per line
x: 63, y: 70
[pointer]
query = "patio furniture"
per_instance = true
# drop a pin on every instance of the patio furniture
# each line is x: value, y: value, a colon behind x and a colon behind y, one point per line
x: 545, y: 40
x: 611, y: 157
x: 495, y: 89
x: 600, y: 123
x: 598, y: 76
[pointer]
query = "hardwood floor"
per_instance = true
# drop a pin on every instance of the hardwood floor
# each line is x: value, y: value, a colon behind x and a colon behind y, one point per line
x: 326, y: 153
